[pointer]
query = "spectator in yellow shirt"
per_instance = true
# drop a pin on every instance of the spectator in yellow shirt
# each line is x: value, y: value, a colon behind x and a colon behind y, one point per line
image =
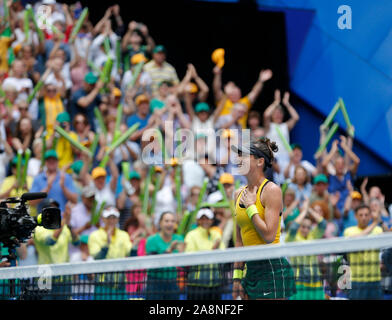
x: 64, y: 149
x: 6, y: 38
x: 204, y: 282
x: 9, y: 187
x: 52, y: 247
x: 365, y: 266
x: 308, y: 279
x: 50, y: 105
x: 234, y: 95
x: 109, y: 242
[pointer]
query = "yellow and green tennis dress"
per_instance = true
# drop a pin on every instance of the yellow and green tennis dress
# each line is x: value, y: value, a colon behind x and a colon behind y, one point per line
x: 264, y: 279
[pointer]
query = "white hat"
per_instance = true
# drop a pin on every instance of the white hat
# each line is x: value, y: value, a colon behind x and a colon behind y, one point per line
x: 51, y: 80
x: 49, y: 2
x: 58, y: 18
x: 214, y: 197
x: 110, y: 212
x: 205, y: 212
x: 88, y: 191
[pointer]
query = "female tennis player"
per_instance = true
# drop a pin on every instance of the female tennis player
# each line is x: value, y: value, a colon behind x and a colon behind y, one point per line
x: 258, y: 214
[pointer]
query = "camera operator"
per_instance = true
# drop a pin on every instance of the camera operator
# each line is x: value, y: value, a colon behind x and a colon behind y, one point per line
x: 52, y: 245
x: 57, y: 184
x: 16, y: 227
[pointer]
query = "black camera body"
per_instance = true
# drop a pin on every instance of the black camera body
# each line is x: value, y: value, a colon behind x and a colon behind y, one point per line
x: 16, y: 225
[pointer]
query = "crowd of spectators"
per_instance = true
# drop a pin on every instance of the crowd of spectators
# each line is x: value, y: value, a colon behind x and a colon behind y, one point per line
x: 320, y: 200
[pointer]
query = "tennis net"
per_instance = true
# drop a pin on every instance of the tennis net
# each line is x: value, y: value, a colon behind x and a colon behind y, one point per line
x: 341, y: 268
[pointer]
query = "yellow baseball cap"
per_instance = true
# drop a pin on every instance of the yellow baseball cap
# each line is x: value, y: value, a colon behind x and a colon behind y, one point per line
x: 158, y: 169
x: 192, y: 88
x: 137, y: 58
x: 221, y: 62
x: 141, y: 98
x: 218, y: 57
x: 98, y: 172
x: 86, y: 143
x: 116, y: 92
x: 226, y: 178
x: 356, y: 195
x: 173, y: 162
x: 17, y: 48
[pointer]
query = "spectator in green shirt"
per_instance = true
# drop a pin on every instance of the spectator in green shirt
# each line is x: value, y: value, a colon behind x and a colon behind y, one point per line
x: 162, y: 283
x: 290, y: 207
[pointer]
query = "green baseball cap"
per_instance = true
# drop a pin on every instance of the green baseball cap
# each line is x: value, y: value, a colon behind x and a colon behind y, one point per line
x: 202, y: 106
x: 159, y: 48
x: 295, y: 146
x: 134, y: 175
x: 167, y: 82
x: 90, y: 78
x: 50, y: 154
x: 320, y: 178
x: 77, y: 166
x: 15, y: 161
x: 156, y: 104
x: 63, y: 117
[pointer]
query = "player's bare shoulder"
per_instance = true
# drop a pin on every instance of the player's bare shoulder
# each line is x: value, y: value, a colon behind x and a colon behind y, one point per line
x: 272, y: 193
x: 272, y: 188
